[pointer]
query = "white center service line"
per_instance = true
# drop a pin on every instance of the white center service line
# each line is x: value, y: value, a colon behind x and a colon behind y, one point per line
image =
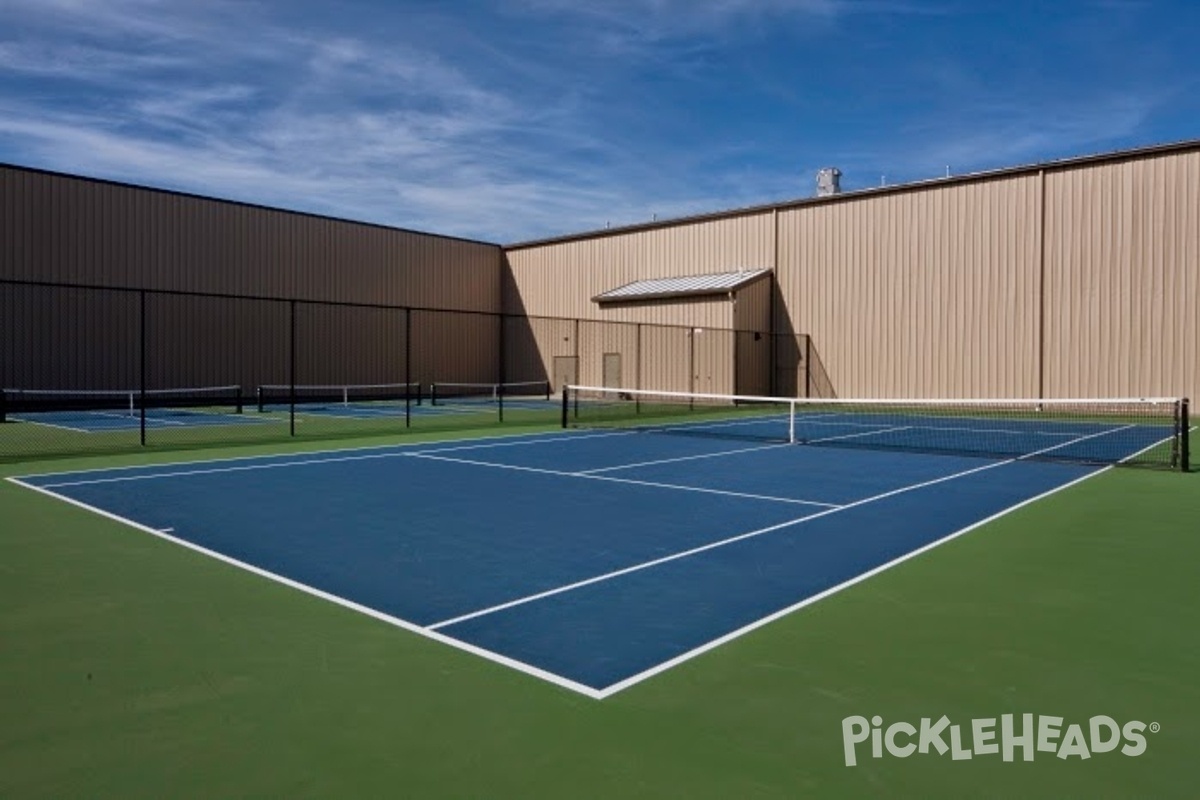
x: 683, y: 458
x: 609, y: 478
x: 860, y: 435
x: 751, y: 534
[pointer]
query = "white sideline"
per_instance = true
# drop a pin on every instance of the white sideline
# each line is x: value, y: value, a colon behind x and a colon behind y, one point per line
x: 528, y: 669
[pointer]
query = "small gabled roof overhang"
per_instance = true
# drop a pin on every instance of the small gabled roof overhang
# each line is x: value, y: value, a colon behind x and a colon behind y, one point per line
x: 686, y: 286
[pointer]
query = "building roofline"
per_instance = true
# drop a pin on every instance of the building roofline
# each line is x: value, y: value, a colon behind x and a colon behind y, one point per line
x: 1189, y: 145
x: 240, y: 203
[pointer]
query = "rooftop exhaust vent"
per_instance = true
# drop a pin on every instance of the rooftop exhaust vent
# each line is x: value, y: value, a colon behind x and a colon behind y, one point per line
x: 829, y: 181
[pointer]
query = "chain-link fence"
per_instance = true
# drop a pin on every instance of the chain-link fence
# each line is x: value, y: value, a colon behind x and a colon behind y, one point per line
x: 100, y: 370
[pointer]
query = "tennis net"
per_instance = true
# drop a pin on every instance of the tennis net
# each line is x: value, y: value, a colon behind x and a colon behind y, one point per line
x: 1140, y: 431
x: 448, y: 392
x: 120, y: 401
x: 270, y: 397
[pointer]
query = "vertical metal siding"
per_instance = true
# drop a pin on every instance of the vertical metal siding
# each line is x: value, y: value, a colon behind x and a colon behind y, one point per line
x: 63, y: 228
x: 455, y: 347
x: 752, y: 306
x: 665, y: 362
x: 752, y: 320
x: 532, y: 344
x: 560, y: 279
x: 1123, y: 278
x: 598, y: 338
x: 929, y: 293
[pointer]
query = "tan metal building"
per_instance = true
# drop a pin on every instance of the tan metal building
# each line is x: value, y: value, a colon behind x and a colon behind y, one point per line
x: 1072, y: 278
x: 1077, y: 278
x: 730, y: 351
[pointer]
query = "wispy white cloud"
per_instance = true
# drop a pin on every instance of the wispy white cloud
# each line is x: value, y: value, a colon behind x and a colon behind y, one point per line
x: 530, y: 118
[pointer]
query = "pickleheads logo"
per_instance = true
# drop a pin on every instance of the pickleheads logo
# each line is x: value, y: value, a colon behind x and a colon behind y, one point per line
x: 1029, y: 734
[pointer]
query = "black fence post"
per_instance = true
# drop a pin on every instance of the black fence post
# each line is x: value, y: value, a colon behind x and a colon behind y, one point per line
x: 807, y: 365
x: 142, y: 366
x: 691, y: 336
x: 292, y: 371
x: 503, y: 367
x: 408, y: 369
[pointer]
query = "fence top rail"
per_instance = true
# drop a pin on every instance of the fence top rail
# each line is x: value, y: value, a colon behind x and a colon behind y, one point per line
x: 287, y: 301
x: 135, y: 290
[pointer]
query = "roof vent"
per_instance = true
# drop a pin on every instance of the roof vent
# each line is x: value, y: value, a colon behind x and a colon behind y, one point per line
x: 829, y: 181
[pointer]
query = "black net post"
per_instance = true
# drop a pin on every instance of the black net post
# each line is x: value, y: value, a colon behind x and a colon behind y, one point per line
x: 807, y: 365
x: 142, y: 367
x: 1184, y: 434
x: 500, y: 401
x: 565, y: 405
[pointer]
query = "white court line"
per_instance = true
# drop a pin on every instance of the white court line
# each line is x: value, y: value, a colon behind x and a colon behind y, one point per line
x: 217, y: 470
x: 499, y: 440
x: 307, y: 459
x: 135, y: 420
x: 741, y: 537
x: 512, y: 663
x: 549, y: 438
x: 632, y: 680
x: 857, y: 435
x: 682, y: 458
x: 21, y: 418
x: 609, y: 478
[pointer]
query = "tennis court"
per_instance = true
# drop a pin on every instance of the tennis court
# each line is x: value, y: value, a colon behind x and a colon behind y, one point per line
x: 598, y: 558
x: 101, y: 411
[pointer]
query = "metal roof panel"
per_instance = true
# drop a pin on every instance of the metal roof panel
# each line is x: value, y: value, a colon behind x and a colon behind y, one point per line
x: 683, y: 286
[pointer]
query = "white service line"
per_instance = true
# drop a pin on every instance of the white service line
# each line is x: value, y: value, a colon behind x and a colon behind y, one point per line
x: 740, y: 537
x: 858, y: 435
x: 548, y: 439
x: 28, y: 421
x: 609, y: 478
x: 499, y: 440
x: 683, y: 458
x: 632, y: 680
x: 304, y: 461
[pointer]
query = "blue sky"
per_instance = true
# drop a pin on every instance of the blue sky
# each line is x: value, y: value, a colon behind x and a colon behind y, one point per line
x: 520, y: 119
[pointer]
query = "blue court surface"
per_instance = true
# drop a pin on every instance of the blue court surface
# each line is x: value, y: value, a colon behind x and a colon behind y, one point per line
x: 590, y: 559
